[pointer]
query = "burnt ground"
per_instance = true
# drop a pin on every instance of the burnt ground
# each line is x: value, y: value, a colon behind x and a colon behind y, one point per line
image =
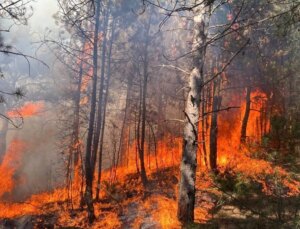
x: 122, y: 207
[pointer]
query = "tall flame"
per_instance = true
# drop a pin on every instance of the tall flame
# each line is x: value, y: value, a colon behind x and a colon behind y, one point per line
x: 10, y: 164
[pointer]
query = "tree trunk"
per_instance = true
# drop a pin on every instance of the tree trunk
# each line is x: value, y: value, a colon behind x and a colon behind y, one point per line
x: 213, y: 144
x: 136, y: 135
x: 203, y: 126
x: 3, y: 134
x: 74, y: 148
x: 246, y: 115
x: 78, y: 163
x: 88, y: 162
x: 101, y: 98
x: 187, y: 191
x: 104, y: 113
x: 143, y: 104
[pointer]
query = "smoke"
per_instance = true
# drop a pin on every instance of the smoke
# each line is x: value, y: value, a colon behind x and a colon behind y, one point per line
x: 36, y: 75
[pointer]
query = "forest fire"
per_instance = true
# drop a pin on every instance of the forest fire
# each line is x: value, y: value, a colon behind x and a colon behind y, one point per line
x: 230, y: 123
x: 10, y: 164
x: 149, y: 114
x: 27, y: 110
x: 166, y: 154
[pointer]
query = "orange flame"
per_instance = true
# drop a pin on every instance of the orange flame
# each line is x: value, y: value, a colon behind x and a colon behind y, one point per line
x: 27, y: 110
x: 167, y: 153
x: 10, y: 164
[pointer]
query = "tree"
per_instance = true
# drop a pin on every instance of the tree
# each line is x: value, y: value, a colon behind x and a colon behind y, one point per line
x: 216, y: 103
x: 143, y: 108
x: 89, y: 163
x: 187, y: 190
x: 246, y: 115
x: 105, y: 101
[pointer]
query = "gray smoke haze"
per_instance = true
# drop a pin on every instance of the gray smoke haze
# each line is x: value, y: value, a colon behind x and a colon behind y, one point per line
x: 41, y: 162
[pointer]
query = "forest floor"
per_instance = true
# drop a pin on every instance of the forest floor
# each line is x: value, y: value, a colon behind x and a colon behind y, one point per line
x: 221, y: 202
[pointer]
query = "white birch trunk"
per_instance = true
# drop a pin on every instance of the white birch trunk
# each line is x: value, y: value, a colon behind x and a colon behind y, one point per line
x: 186, y: 199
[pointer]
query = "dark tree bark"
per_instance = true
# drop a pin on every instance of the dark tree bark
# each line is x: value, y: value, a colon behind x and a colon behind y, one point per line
x: 88, y: 156
x: 136, y: 135
x: 213, y: 144
x: 246, y: 115
x: 101, y: 98
x: 143, y: 104
x: 104, y: 112
x: 203, y: 128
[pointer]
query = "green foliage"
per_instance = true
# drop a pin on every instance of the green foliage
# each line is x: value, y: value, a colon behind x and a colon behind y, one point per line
x: 272, y: 156
x: 236, y: 183
x: 242, y: 186
x: 226, y: 181
x: 296, y: 222
x: 265, y: 140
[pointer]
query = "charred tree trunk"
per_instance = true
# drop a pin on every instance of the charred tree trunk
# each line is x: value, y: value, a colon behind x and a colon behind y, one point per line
x: 136, y: 135
x: 104, y: 112
x: 138, y: 126
x: 155, y: 147
x: 203, y: 128
x: 144, y: 86
x: 187, y: 190
x: 143, y: 126
x: 100, y: 114
x: 88, y: 156
x: 246, y: 115
x: 128, y: 147
x: 213, y: 144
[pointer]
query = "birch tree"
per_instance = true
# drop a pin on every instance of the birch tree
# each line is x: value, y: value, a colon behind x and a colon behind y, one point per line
x: 186, y: 200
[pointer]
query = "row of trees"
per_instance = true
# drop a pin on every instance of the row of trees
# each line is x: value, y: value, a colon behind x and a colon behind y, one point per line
x: 132, y: 65
x: 120, y: 36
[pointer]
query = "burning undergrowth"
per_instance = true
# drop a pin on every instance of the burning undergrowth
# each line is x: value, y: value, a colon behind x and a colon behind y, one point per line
x: 241, y: 180
x: 125, y: 204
